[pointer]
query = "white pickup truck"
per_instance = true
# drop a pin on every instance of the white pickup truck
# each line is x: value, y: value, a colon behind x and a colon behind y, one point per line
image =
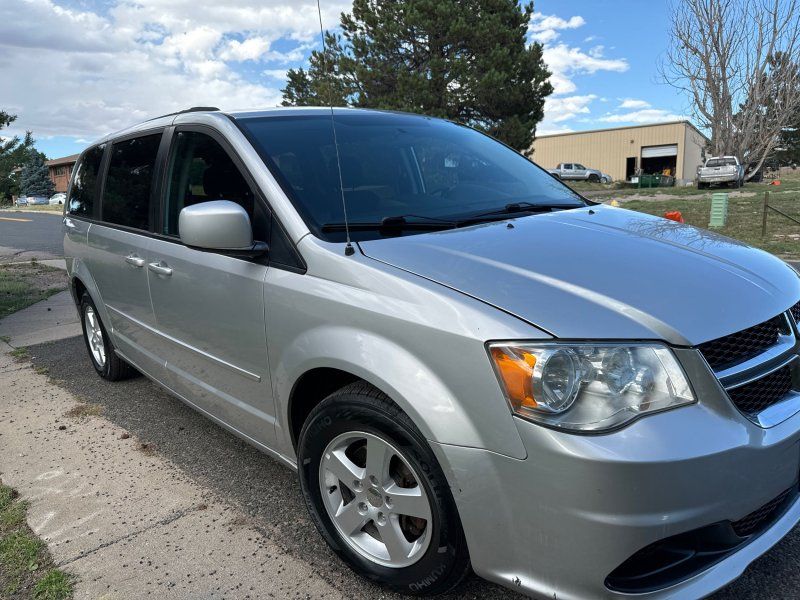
x: 577, y: 172
x: 720, y: 169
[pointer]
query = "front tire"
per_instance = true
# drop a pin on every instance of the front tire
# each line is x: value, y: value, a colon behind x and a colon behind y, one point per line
x: 593, y: 178
x: 101, y: 351
x: 377, y: 494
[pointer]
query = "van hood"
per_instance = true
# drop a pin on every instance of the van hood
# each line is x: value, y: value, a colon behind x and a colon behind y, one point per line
x: 603, y: 273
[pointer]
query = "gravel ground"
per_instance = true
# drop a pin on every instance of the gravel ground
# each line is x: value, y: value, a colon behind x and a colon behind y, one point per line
x: 269, y: 494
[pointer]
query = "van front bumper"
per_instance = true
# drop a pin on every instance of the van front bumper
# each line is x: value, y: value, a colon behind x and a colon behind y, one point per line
x: 560, y: 522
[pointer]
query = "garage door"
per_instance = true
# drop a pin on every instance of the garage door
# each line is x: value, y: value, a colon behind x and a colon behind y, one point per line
x: 656, y: 151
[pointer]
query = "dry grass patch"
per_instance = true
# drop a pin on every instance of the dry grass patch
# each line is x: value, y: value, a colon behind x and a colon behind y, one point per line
x: 83, y: 410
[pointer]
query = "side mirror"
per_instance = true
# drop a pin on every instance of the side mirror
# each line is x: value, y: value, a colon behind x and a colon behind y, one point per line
x: 219, y: 225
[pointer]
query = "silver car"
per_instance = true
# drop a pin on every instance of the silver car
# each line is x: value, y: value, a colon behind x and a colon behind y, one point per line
x: 468, y: 364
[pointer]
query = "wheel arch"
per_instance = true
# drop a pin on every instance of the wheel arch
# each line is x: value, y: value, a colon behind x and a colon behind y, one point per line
x: 347, y: 355
x: 80, y: 282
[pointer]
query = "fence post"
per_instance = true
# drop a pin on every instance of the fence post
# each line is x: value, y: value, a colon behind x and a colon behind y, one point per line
x: 764, y: 216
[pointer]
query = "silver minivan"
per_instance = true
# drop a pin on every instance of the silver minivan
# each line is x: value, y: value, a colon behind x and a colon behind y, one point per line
x: 469, y: 365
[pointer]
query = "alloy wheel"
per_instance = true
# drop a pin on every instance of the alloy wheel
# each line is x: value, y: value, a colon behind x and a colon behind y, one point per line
x: 375, y: 499
x: 94, y: 335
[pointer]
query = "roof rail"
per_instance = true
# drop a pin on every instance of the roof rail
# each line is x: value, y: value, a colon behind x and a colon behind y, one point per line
x: 187, y: 110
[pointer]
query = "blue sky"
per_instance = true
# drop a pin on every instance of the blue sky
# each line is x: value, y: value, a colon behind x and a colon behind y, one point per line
x: 100, y: 66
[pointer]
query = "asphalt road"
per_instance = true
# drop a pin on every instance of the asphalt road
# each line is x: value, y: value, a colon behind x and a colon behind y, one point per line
x: 32, y: 231
x: 269, y: 494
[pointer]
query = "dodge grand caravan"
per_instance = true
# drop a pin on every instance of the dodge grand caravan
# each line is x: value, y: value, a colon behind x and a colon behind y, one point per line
x: 468, y: 364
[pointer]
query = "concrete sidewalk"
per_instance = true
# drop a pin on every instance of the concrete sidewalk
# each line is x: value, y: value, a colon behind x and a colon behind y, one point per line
x: 53, y: 319
x: 122, y: 519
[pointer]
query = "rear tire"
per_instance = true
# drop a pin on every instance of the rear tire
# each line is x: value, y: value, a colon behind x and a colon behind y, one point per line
x: 101, y: 351
x: 348, y: 428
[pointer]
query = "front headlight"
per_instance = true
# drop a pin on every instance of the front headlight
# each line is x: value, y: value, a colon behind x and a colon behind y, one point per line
x: 589, y: 387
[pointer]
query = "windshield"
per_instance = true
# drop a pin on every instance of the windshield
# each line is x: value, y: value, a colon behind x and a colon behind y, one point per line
x: 395, y: 165
x: 721, y: 162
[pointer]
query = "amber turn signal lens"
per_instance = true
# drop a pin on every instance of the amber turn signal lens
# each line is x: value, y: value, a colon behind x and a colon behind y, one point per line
x: 516, y: 372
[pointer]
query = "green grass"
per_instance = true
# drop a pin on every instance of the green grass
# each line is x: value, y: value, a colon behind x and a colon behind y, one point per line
x: 745, y: 210
x: 26, y: 568
x: 19, y: 353
x: 24, y: 284
x: 55, y: 585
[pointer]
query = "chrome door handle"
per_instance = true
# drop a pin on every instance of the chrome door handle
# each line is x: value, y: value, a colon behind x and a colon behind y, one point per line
x: 69, y: 223
x: 160, y: 268
x: 134, y: 260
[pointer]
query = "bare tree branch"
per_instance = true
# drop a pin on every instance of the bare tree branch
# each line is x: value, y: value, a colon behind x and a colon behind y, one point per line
x: 738, y: 61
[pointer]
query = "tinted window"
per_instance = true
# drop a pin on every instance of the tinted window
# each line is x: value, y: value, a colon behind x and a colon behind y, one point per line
x: 721, y: 162
x: 84, y: 184
x: 394, y: 164
x: 200, y: 170
x: 129, y: 183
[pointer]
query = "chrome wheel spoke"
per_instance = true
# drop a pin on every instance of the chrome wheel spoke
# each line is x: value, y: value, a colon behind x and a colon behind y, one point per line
x: 344, y: 469
x: 408, y: 501
x: 398, y: 547
x: 349, y: 519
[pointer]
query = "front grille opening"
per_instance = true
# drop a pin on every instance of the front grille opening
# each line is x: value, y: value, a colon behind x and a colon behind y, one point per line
x: 795, y: 310
x: 736, y: 348
x: 677, y: 558
x: 762, y: 393
x: 754, y: 522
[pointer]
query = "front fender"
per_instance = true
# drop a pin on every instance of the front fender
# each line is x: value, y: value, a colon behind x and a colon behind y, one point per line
x: 431, y: 404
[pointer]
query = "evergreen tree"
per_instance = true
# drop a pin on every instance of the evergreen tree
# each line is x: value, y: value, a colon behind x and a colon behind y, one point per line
x: 35, y: 178
x: 13, y: 153
x: 464, y: 60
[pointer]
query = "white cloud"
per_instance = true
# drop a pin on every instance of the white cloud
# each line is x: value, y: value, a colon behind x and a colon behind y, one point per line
x: 632, y: 103
x: 545, y: 28
x: 252, y: 48
x: 277, y: 74
x: 565, y: 62
x: 561, y: 109
x: 136, y: 59
x: 647, y: 115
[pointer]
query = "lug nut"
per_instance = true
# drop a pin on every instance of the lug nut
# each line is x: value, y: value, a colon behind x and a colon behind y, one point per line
x: 362, y: 507
x: 373, y: 480
x: 381, y: 519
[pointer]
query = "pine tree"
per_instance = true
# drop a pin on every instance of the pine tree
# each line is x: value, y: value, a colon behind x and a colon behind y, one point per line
x: 35, y: 178
x: 13, y: 153
x: 464, y: 60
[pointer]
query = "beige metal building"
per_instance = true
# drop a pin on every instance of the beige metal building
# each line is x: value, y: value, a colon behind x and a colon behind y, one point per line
x: 674, y: 148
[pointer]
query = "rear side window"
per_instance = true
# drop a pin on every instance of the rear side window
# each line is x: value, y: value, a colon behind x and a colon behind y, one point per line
x: 129, y: 183
x: 84, y: 184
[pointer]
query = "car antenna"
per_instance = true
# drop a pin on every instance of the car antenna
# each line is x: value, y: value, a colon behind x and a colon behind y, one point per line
x: 348, y: 249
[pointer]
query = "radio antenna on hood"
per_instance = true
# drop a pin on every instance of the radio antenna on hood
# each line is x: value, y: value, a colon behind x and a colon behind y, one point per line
x: 348, y: 249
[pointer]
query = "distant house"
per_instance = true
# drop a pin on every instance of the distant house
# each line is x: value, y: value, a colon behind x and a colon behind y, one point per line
x: 60, y: 170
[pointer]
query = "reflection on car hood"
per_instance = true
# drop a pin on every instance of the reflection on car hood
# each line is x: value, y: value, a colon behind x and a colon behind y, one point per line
x: 604, y: 273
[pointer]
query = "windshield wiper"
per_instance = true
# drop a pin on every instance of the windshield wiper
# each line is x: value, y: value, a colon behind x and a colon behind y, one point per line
x: 394, y: 223
x: 512, y: 208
